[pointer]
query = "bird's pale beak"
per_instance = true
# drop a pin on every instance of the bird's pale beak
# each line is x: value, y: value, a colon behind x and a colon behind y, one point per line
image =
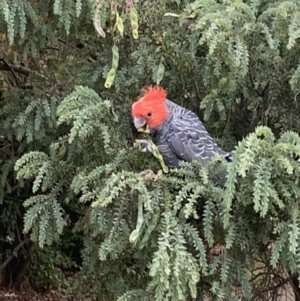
x: 139, y: 122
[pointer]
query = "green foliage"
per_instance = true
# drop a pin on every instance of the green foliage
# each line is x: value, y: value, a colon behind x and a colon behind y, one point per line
x: 273, y: 169
x: 252, y: 54
x: 21, y: 19
x: 69, y: 171
x: 47, y: 268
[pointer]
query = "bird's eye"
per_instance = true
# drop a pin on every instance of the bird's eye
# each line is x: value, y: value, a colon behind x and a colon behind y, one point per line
x: 149, y: 114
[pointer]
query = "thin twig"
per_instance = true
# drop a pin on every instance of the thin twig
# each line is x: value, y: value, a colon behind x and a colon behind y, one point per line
x: 11, y: 69
x: 11, y: 256
x: 19, y: 69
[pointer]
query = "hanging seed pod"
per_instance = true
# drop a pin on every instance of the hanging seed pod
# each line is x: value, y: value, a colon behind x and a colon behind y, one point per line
x: 134, y: 20
x: 113, y: 8
x: 128, y: 6
x: 97, y: 20
x: 135, y: 34
x: 119, y: 24
x: 160, y: 72
x: 115, y: 59
x: 61, y: 151
x: 110, y: 78
x: 140, y: 220
x: 112, y: 72
x: 113, y: 11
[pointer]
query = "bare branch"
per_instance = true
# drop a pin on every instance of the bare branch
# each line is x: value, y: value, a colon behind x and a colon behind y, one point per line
x: 19, y: 69
x: 15, y: 251
x: 10, y: 69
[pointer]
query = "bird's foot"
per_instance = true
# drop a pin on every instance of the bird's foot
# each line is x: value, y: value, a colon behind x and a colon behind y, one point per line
x: 145, y: 145
x: 148, y: 174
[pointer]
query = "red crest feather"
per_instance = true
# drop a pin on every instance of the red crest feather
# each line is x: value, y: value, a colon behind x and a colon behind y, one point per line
x: 151, y: 106
x: 155, y: 93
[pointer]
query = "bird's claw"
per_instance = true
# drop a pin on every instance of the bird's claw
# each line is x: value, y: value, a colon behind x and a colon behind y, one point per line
x: 144, y: 145
x: 148, y: 174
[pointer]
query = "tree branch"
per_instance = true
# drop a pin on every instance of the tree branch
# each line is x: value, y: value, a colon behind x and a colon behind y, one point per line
x: 6, y: 64
x: 19, y: 69
x: 11, y: 256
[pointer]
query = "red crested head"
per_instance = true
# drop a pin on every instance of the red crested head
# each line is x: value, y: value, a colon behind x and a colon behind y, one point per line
x: 150, y: 109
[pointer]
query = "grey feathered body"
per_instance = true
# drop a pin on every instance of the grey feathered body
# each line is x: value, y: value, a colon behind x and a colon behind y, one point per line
x: 182, y: 136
